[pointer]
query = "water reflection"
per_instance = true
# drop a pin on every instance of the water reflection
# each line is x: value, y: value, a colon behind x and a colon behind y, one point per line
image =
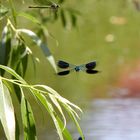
x: 112, y: 119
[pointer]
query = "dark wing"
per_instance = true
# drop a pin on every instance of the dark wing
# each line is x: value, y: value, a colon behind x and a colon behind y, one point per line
x: 63, y: 72
x: 80, y: 138
x: 89, y: 71
x: 90, y: 65
x: 62, y: 64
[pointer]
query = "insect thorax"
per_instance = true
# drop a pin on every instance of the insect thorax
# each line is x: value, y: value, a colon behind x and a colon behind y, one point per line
x: 55, y: 6
x: 77, y: 68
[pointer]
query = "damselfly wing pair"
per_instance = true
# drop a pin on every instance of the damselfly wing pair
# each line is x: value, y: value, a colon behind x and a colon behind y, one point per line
x: 88, y: 67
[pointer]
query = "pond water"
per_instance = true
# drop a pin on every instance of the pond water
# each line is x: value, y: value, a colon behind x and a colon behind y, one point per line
x: 112, y: 119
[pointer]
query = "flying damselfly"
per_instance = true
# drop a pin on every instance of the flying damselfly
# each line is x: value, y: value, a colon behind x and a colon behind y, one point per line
x: 51, y: 5
x: 88, y: 67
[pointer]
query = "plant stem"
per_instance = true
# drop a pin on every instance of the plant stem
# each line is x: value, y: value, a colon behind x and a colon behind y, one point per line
x: 13, y: 11
x: 11, y: 25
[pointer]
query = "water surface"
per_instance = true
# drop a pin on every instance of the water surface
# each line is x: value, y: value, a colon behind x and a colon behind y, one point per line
x: 112, y: 119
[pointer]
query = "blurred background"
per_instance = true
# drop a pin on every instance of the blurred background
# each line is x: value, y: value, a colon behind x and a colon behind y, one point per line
x: 107, y: 31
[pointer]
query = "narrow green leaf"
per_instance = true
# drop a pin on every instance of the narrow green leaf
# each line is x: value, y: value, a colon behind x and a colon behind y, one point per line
x: 17, y: 132
x: 60, y: 98
x: 13, y: 11
x: 24, y: 63
x: 5, y: 47
x: 28, y: 120
x: 56, y: 103
x: 19, y: 58
x: 65, y: 103
x: 42, y: 45
x: 13, y: 73
x: 73, y: 19
x: 14, y: 57
x: 29, y: 17
x: 63, y: 18
x: 64, y: 129
x: 55, y: 15
x: 3, y: 11
x: 51, y: 111
x: 7, y: 112
x: 73, y: 13
x: 18, y: 92
x: 73, y: 117
x: 45, y: 33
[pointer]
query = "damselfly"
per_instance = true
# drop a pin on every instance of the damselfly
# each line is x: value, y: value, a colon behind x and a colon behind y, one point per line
x: 51, y: 5
x: 88, y: 67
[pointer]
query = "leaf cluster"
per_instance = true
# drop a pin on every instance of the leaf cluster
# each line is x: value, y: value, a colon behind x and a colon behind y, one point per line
x: 14, y: 58
x: 44, y: 95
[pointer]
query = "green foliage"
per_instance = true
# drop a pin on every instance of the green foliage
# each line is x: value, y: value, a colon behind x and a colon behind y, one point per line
x: 28, y: 119
x: 43, y: 94
x: 7, y: 112
x: 5, y: 46
x: 15, y: 53
x: 3, y: 11
x: 68, y: 15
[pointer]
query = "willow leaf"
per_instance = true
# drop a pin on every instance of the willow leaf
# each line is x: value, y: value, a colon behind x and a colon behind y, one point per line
x: 42, y: 45
x: 56, y: 103
x: 51, y: 111
x: 7, y: 112
x: 28, y: 120
x: 63, y: 18
x: 60, y: 98
x: 5, y: 47
x: 29, y: 17
x: 64, y: 129
x: 13, y: 73
x: 73, y: 117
